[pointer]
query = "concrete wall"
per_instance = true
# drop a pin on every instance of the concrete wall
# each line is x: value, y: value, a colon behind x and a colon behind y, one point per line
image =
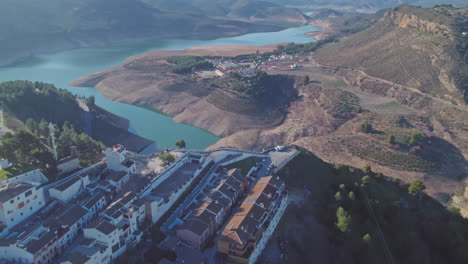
x: 70, y: 165
x: 269, y: 231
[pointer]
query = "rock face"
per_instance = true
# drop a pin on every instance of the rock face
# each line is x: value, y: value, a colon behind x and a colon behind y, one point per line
x: 415, y: 47
x: 414, y: 22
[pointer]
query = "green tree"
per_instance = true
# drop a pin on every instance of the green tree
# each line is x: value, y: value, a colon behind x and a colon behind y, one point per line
x: 338, y: 196
x: 306, y: 80
x: 366, y: 127
x: 351, y: 196
x: 391, y: 139
x: 337, y: 168
x: 454, y: 210
x: 167, y: 158
x: 180, y: 143
x: 366, y: 180
x: 342, y: 187
x: 90, y: 101
x: 416, y: 138
x: 31, y: 125
x: 367, y: 168
x: 43, y: 129
x: 344, y: 220
x: 24, y: 147
x: 367, y: 239
x: 87, y: 159
x: 416, y: 187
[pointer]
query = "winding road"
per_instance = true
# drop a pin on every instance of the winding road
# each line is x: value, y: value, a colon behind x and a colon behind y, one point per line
x: 316, y: 64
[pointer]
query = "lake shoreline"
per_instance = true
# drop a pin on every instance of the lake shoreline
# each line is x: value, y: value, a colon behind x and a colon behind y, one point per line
x: 61, y: 67
x: 66, y: 43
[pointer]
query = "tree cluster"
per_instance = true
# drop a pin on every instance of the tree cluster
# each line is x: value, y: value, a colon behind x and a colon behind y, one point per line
x: 66, y: 138
x: 37, y: 100
x: 188, y: 64
x: 366, y: 127
x: 25, y: 148
x: 167, y: 158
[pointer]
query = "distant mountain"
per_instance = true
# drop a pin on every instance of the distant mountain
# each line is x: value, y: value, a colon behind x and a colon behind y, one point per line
x: 248, y: 9
x: 30, y: 26
x: 422, y: 48
x: 366, y: 4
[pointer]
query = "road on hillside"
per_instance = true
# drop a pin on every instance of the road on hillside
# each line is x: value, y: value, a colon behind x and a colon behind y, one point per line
x: 316, y: 64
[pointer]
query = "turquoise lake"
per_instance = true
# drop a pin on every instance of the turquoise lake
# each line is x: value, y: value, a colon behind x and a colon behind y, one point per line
x: 61, y: 67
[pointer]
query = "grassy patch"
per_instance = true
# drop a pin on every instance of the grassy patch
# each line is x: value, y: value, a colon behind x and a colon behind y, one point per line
x: 15, y: 170
x: 347, y: 103
x: 385, y: 157
x: 244, y: 165
x: 12, y: 122
x: 341, y: 83
x: 188, y: 64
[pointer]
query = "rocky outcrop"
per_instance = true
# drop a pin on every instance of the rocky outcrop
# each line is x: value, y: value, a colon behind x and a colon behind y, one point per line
x: 412, y: 21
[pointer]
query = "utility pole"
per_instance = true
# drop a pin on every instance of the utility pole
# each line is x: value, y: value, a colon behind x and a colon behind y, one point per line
x: 52, y: 137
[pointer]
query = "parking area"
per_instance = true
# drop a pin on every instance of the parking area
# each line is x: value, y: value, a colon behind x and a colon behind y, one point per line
x: 280, y: 157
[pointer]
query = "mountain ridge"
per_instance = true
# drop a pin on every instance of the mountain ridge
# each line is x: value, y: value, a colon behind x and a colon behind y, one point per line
x: 28, y: 27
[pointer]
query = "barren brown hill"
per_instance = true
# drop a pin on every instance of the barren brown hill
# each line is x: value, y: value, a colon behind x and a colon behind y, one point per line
x: 416, y: 133
x: 147, y: 79
x: 423, y: 48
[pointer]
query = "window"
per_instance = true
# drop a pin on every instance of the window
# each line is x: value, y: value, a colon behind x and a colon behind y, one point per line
x: 12, y: 219
x: 12, y: 201
x: 30, y: 208
x: 28, y: 193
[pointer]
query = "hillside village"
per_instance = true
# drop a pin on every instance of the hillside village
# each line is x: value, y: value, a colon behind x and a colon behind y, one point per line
x: 206, y: 206
x: 249, y: 67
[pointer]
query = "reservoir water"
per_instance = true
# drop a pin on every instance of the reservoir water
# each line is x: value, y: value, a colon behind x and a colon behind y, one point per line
x: 62, y: 67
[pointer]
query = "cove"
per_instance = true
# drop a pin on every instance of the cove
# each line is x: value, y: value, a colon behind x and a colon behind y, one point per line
x: 61, y: 67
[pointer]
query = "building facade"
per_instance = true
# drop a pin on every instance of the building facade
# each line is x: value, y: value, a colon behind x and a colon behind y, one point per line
x: 18, y: 201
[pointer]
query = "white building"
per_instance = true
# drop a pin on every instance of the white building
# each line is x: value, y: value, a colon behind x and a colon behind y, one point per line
x: 95, y: 203
x: 89, y: 251
x: 42, y: 242
x: 105, y: 233
x: 117, y: 160
x: 119, y: 225
x: 66, y: 190
x: 4, y: 164
x: 118, y: 179
x: 18, y: 201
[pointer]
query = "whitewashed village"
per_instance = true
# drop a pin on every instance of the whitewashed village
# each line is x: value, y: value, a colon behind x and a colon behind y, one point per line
x: 219, y: 206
